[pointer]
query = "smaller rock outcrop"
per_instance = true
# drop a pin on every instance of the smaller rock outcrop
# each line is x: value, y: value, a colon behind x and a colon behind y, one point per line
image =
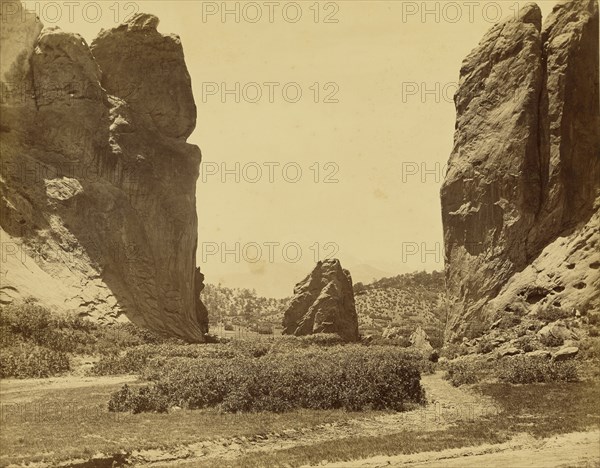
x: 419, y: 340
x: 323, y: 302
x: 556, y: 332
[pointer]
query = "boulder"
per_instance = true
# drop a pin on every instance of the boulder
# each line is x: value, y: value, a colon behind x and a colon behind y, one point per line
x: 555, y: 330
x: 419, y: 340
x: 323, y: 303
x: 540, y: 353
x: 510, y: 351
x: 564, y: 354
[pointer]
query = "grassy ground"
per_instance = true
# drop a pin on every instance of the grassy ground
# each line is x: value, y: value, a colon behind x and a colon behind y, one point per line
x: 51, y: 427
x: 74, y: 423
x: 537, y: 409
x: 354, y: 448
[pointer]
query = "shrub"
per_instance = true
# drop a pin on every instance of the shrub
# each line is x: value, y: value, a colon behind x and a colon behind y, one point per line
x: 250, y: 348
x: 454, y: 350
x: 25, y: 361
x: 594, y: 319
x: 113, y: 338
x: 289, y: 343
x: 135, y: 360
x: 351, y: 377
x: 462, y: 372
x: 590, y: 348
x: 130, y: 362
x: 399, y: 341
x: 551, y: 340
x: 34, y: 325
x: 508, y: 321
x: 527, y: 369
x: 144, y: 399
x: 552, y: 313
x: 485, y: 346
x: 527, y: 343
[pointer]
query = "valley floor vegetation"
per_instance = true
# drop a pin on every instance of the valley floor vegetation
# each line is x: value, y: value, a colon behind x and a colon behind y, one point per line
x: 315, y: 372
x: 147, y: 392
x: 36, y: 343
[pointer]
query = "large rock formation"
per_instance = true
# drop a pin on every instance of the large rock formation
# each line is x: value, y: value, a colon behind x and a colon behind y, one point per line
x: 323, y: 302
x: 98, y: 182
x: 520, y: 199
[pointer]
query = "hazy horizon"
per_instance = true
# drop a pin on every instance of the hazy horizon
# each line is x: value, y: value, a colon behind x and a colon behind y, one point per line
x: 364, y: 160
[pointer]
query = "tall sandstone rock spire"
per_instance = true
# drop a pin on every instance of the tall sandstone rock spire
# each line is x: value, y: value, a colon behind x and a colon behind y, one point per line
x: 520, y: 199
x: 98, y: 182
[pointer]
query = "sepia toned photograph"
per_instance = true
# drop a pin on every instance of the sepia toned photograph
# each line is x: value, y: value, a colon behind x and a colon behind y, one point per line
x: 292, y: 234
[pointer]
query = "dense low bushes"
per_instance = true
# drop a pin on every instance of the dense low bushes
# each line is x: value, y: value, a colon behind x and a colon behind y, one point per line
x: 35, y: 342
x: 513, y: 369
x: 463, y: 372
x: 138, y: 359
x: 527, y: 369
x: 351, y: 377
x: 551, y: 313
x: 135, y: 360
x: 25, y: 361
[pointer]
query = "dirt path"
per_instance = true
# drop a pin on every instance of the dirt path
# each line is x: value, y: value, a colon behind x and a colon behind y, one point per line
x: 578, y: 449
x: 20, y: 391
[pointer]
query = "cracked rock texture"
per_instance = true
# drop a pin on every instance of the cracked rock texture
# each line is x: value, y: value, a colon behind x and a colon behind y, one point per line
x: 323, y: 302
x: 98, y: 182
x: 520, y: 199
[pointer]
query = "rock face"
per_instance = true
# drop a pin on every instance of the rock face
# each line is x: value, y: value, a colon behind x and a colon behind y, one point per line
x: 520, y: 199
x: 98, y: 187
x: 419, y: 340
x: 323, y: 303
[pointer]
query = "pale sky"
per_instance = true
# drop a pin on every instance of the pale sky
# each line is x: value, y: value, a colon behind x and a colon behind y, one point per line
x: 392, y: 71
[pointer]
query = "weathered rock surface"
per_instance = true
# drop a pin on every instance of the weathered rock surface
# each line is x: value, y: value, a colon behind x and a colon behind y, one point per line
x: 510, y: 351
x: 419, y: 340
x: 520, y: 198
x: 323, y: 303
x: 555, y: 331
x: 539, y: 353
x: 98, y: 187
x: 564, y: 354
